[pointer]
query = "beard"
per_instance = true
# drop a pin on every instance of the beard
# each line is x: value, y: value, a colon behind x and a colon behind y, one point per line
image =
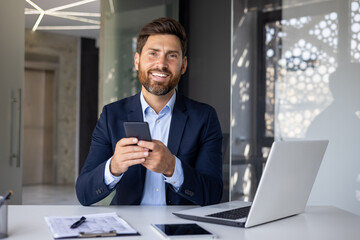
x: 158, y: 88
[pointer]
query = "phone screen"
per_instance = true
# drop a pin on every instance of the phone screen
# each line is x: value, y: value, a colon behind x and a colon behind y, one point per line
x: 140, y: 130
x: 182, y: 230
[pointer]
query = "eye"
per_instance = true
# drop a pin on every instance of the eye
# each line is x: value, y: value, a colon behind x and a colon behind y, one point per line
x: 152, y: 54
x: 173, y: 55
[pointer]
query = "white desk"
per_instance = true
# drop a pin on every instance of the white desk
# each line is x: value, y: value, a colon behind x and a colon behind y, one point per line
x: 27, y: 222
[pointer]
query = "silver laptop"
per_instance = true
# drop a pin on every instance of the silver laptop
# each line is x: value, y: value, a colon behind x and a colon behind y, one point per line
x: 283, y: 191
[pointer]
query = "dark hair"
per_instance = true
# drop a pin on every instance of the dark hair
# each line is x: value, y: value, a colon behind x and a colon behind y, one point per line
x: 162, y: 26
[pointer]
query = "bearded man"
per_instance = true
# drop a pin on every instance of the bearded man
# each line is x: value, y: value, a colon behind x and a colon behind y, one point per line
x: 183, y: 163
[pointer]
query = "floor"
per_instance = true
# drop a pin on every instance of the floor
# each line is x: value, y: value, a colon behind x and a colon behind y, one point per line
x: 49, y: 195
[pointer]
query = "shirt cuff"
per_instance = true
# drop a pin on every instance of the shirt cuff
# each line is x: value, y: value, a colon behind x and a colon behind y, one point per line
x: 110, y: 180
x: 177, y: 179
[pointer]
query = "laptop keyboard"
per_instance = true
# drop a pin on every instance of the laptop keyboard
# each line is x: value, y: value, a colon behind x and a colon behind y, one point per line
x: 232, y: 214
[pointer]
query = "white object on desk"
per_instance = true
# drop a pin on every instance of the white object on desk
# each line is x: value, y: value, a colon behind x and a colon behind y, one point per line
x: 102, y: 223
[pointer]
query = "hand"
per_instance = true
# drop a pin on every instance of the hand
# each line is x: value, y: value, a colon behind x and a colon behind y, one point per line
x: 160, y: 159
x: 126, y: 155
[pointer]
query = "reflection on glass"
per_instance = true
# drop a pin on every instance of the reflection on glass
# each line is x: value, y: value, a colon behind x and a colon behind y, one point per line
x: 355, y: 31
x: 305, y: 47
x: 299, y: 75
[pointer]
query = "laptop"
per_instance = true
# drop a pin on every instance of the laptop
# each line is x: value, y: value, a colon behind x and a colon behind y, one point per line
x: 283, y: 191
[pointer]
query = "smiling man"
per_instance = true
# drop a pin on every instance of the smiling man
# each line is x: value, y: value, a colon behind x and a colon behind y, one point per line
x: 183, y: 162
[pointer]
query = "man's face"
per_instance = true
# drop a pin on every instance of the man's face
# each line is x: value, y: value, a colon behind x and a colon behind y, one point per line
x: 160, y: 64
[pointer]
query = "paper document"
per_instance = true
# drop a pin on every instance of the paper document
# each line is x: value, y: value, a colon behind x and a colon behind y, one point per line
x: 95, y: 225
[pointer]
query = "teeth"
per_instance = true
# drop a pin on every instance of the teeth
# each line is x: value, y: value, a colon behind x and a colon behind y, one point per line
x: 159, y: 75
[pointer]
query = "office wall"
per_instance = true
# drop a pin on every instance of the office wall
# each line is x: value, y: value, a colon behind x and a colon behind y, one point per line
x: 208, y: 27
x: 89, y: 85
x: 208, y: 74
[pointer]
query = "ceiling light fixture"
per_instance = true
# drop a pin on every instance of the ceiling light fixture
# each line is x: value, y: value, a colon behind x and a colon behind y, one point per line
x: 67, y: 27
x: 70, y: 5
x: 38, y: 21
x: 80, y: 19
x: 40, y: 16
x: 34, y: 5
x: 83, y: 14
x: 29, y: 11
x: 55, y: 12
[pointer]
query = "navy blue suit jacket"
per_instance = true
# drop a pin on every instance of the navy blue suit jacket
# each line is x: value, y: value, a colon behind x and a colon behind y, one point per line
x: 195, y: 137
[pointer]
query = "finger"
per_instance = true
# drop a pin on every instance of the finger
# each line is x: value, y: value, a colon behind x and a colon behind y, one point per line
x: 133, y: 162
x: 133, y: 156
x: 127, y: 141
x: 133, y: 148
x: 146, y: 144
x: 117, y: 168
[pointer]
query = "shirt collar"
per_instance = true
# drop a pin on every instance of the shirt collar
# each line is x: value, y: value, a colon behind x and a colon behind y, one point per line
x: 170, y: 104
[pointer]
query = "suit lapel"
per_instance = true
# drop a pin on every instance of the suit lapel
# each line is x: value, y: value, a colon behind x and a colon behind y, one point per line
x: 134, y: 109
x: 177, y: 126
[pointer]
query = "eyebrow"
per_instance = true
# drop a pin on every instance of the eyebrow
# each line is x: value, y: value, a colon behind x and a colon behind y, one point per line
x: 158, y: 50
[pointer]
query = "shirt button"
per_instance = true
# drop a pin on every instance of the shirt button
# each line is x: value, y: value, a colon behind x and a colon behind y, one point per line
x: 157, y: 189
x: 157, y: 121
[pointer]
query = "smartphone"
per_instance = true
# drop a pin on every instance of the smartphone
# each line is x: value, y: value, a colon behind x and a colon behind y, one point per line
x: 140, y: 130
x: 183, y: 230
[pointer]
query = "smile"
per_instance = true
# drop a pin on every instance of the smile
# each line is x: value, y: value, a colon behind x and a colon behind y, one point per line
x: 160, y: 75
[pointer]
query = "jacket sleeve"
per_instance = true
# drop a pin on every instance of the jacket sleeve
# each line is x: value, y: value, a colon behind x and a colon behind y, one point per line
x: 90, y: 185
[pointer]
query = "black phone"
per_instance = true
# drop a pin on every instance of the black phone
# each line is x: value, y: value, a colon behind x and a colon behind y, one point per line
x: 140, y: 130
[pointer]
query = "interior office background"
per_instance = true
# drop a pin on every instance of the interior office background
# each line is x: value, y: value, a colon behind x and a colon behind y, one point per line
x: 274, y: 70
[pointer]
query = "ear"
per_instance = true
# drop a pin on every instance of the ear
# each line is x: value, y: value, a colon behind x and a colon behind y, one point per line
x: 136, y: 61
x: 184, y: 65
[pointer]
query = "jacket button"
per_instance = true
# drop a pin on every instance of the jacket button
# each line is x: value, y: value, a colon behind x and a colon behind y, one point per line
x: 188, y: 192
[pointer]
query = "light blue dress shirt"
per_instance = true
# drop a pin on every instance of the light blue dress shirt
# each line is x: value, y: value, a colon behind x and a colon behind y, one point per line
x: 159, y: 124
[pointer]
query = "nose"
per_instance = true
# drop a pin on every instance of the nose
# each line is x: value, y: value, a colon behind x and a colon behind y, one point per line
x: 162, y: 62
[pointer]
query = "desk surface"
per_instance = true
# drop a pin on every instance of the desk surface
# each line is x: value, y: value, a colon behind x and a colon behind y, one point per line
x: 27, y: 222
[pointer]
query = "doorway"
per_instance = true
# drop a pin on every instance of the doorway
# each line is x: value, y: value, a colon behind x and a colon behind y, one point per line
x: 39, y: 118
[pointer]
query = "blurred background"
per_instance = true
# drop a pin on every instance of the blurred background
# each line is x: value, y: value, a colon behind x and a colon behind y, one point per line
x: 273, y: 69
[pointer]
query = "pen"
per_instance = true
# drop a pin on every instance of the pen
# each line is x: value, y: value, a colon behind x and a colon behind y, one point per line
x: 78, y: 223
x: 6, y: 197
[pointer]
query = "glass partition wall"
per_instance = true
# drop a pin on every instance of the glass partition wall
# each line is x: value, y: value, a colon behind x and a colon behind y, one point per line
x: 295, y: 75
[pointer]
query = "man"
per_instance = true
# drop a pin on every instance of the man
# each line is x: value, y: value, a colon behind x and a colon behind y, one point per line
x: 183, y: 162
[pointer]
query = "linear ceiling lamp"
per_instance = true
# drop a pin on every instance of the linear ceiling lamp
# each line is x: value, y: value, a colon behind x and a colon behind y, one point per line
x: 29, y: 11
x: 67, y: 27
x: 55, y: 12
x: 70, y: 5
